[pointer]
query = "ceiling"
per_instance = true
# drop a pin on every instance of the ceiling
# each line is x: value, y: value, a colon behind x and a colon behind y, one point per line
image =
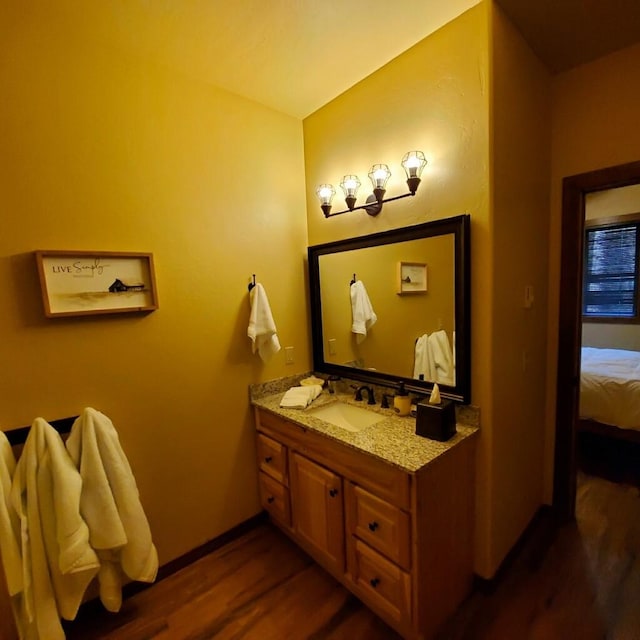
x: 567, y: 33
x: 292, y: 55
x: 297, y: 55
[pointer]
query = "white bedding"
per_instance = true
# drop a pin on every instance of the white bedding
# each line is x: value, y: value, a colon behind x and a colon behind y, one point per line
x: 610, y: 387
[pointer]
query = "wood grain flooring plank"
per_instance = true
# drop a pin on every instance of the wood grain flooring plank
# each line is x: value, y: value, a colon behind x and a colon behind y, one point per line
x: 580, y: 581
x: 295, y: 609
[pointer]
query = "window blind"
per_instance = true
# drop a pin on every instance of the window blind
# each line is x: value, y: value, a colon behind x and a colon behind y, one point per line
x: 610, y: 274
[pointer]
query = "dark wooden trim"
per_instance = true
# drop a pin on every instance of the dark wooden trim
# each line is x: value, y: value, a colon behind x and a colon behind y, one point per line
x: 612, y: 221
x: 610, y: 320
x: 609, y: 431
x: 94, y: 606
x: 570, y: 322
x: 173, y: 566
x: 540, y: 530
x: 460, y: 227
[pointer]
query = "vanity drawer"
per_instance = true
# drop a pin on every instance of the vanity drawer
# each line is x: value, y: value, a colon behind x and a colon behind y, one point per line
x: 381, y: 582
x: 378, y: 476
x: 380, y: 524
x: 272, y: 458
x: 275, y: 499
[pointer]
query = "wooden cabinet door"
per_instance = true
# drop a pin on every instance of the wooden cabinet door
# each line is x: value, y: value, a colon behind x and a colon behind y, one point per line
x: 317, y: 509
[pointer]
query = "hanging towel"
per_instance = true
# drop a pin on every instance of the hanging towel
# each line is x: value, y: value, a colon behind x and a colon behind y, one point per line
x: 262, y: 328
x: 57, y: 561
x: 423, y: 359
x: 300, y: 397
x: 363, y: 315
x: 442, y: 357
x: 110, y: 504
x: 11, y: 554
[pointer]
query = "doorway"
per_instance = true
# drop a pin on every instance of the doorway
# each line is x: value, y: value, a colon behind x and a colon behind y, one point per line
x: 574, y: 191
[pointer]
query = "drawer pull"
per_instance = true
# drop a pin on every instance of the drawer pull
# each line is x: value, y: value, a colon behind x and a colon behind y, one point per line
x: 373, y: 526
x: 374, y: 582
x: 333, y: 492
x: 268, y: 459
x: 270, y: 499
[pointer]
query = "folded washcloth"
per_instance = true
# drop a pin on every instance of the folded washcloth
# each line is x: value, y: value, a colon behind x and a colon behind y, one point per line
x: 262, y: 328
x: 300, y: 397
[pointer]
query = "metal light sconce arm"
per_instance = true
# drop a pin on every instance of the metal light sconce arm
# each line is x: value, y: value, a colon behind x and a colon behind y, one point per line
x: 413, y: 163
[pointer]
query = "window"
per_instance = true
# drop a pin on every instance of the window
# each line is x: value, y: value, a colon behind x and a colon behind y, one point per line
x: 611, y: 278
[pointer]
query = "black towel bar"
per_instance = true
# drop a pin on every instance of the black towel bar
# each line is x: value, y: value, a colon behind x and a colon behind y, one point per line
x: 18, y: 436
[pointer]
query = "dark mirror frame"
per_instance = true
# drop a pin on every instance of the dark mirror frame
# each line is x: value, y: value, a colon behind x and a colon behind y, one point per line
x: 459, y: 226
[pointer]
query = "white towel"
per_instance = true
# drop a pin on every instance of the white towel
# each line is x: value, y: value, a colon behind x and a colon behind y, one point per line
x: 262, y: 328
x: 423, y: 359
x: 111, y: 506
x: 442, y: 357
x: 300, y: 397
x: 11, y: 554
x: 58, y: 562
x: 363, y: 315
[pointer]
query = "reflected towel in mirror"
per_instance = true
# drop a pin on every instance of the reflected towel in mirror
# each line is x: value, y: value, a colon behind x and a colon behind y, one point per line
x: 363, y: 315
x: 423, y: 359
x: 442, y: 357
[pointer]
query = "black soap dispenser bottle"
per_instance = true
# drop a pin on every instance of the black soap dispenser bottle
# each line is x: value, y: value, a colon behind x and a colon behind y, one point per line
x: 402, y: 401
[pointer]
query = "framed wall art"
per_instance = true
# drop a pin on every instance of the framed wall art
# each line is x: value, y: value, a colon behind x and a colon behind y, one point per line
x: 412, y: 277
x: 80, y: 283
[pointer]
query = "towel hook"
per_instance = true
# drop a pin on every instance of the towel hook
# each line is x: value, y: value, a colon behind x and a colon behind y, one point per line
x: 252, y: 284
x: 353, y: 281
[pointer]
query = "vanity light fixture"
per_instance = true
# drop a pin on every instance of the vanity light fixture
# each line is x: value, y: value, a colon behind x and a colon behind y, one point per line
x: 413, y: 163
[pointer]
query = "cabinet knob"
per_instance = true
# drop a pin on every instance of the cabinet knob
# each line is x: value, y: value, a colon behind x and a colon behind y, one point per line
x: 374, y: 582
x: 333, y: 492
x: 373, y: 526
x: 270, y: 499
x: 268, y: 459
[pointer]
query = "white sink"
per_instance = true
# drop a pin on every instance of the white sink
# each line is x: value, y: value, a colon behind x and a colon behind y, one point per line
x: 347, y: 416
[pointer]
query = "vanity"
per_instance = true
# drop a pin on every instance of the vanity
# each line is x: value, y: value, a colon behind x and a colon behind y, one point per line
x: 386, y: 512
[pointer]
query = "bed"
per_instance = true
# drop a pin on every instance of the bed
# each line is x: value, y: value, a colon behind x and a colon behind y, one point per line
x: 610, y: 392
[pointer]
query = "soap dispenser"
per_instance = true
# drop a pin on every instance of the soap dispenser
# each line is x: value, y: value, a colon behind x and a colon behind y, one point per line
x: 402, y: 401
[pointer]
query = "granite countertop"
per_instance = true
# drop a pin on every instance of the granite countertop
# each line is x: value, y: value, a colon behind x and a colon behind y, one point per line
x: 393, y: 439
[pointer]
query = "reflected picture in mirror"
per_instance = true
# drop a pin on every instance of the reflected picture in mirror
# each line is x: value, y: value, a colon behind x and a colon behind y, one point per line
x: 420, y: 332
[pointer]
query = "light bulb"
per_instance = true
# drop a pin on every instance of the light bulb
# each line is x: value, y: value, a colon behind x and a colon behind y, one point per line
x: 350, y: 185
x: 414, y: 162
x: 379, y: 174
x: 325, y: 193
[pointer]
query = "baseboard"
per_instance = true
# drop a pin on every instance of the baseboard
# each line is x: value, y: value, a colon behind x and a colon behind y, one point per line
x: 539, y: 534
x: 132, y: 588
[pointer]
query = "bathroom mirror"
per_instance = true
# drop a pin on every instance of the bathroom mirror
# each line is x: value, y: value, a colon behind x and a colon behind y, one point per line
x: 415, y: 280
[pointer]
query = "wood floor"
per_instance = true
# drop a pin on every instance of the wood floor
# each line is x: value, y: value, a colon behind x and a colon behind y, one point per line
x: 577, y: 582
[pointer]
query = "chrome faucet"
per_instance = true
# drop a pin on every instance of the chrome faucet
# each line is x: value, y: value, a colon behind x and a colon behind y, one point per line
x: 370, y: 397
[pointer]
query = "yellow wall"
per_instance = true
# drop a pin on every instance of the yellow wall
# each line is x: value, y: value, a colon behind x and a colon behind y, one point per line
x: 520, y: 185
x: 594, y: 125
x: 433, y: 97
x: 101, y: 151
x: 106, y: 151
